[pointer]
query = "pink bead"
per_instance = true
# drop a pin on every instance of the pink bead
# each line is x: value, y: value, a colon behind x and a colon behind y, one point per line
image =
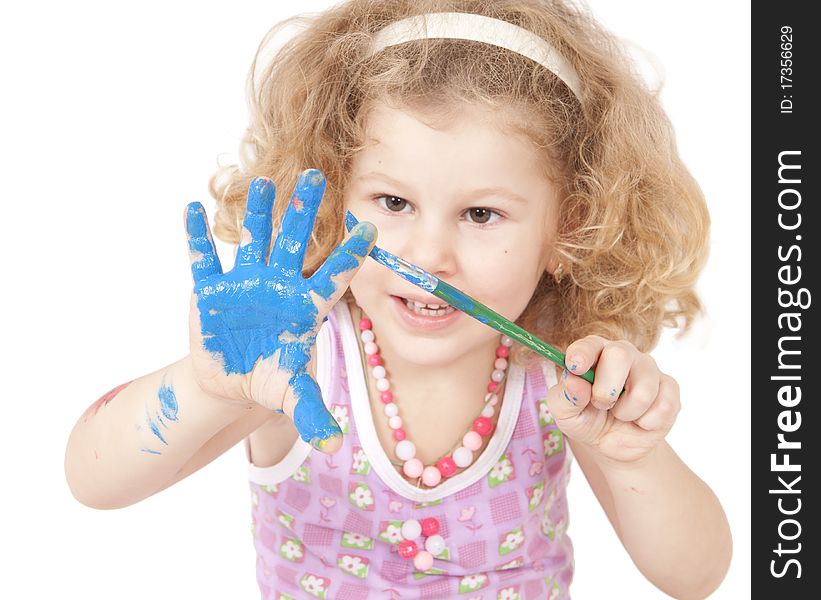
x: 446, y: 466
x: 472, y: 441
x: 374, y: 360
x: 423, y: 561
x: 386, y: 397
x: 492, y: 386
x: 430, y: 526
x: 371, y: 348
x: 502, y: 352
x: 407, y: 549
x: 365, y: 323
x: 501, y: 364
x: 412, y: 468
x: 395, y: 422
x: 431, y: 476
x: 482, y: 426
x: 399, y: 435
x: 383, y: 385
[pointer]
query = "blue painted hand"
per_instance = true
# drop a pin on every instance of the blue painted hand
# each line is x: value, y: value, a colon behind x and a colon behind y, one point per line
x: 253, y: 328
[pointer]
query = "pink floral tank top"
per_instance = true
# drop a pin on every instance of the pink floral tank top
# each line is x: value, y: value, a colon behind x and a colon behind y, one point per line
x: 328, y: 526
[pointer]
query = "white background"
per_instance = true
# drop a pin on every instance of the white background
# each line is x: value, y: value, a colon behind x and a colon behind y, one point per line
x: 113, y: 116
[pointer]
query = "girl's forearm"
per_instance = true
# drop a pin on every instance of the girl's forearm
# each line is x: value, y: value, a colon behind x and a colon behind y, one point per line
x: 134, y: 440
x: 671, y: 523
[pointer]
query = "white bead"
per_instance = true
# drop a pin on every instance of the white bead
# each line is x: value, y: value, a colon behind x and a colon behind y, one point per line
x: 366, y: 336
x: 500, y: 363
x: 497, y: 375
x: 411, y: 529
x: 507, y: 341
x: 435, y: 544
x: 462, y: 457
x: 488, y: 411
x: 371, y: 348
x: 405, y: 450
x: 489, y: 396
x: 383, y: 385
x: 391, y: 410
x: 379, y: 372
x: 395, y: 422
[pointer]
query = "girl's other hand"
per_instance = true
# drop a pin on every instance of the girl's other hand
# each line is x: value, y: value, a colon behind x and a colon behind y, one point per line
x: 621, y: 427
x: 253, y: 329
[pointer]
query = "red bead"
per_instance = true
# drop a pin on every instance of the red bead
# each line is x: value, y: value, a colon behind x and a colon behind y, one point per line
x: 482, y: 426
x: 407, y: 549
x: 399, y: 434
x: 374, y: 360
x: 430, y: 526
x: 446, y: 466
x: 386, y: 396
x: 365, y: 324
x: 502, y: 351
x: 492, y: 386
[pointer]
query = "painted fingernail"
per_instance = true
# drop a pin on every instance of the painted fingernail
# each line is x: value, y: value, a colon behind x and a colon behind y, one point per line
x: 568, y: 398
x: 612, y: 404
x: 613, y: 392
x: 564, y: 373
x: 320, y: 444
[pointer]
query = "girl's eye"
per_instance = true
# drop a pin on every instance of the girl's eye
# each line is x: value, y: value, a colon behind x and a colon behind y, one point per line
x: 480, y: 215
x: 394, y: 203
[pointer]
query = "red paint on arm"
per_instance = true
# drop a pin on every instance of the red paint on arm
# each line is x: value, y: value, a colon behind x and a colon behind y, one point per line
x: 105, y: 399
x: 297, y: 203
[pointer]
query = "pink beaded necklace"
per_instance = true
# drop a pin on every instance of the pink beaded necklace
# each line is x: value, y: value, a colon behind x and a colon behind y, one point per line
x: 405, y: 450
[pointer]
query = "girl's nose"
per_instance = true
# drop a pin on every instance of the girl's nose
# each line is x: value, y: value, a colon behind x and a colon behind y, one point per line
x: 430, y: 245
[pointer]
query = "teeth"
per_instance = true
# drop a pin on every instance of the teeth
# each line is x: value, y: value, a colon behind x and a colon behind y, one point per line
x: 429, y: 310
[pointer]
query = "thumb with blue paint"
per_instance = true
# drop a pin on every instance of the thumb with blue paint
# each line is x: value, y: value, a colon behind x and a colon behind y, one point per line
x: 253, y: 329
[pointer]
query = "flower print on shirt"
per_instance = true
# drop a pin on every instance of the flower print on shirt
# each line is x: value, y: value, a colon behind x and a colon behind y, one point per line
x: 511, y: 541
x: 353, y: 565
x: 553, y: 589
x: 301, y: 475
x: 340, y: 413
x: 359, y: 462
x: 360, y: 496
x: 356, y: 540
x: 291, y: 549
x: 509, y: 593
x: 515, y: 563
x: 390, y: 531
x: 501, y: 472
x: 286, y: 520
x: 471, y: 583
x: 545, y: 418
x: 553, y: 442
x: 315, y: 585
x: 534, y: 496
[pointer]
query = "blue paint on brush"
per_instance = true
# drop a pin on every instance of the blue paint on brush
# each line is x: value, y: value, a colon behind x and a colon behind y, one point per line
x: 264, y: 307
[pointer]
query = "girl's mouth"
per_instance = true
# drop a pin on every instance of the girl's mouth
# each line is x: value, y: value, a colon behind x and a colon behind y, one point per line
x: 428, y: 310
x: 427, y: 317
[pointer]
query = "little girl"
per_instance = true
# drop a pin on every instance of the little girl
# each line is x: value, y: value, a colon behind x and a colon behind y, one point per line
x: 398, y: 447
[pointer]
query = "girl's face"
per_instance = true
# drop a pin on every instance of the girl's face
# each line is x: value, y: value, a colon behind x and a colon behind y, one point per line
x: 467, y: 202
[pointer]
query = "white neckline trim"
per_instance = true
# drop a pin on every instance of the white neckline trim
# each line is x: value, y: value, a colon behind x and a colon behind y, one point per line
x: 360, y: 405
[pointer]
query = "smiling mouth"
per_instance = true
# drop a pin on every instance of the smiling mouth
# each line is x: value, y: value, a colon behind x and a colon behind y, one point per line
x: 428, y: 310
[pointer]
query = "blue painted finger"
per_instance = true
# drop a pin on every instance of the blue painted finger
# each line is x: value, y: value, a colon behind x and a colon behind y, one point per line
x: 343, y: 261
x: 314, y: 423
x: 201, y: 251
x: 255, y: 239
x: 295, y: 231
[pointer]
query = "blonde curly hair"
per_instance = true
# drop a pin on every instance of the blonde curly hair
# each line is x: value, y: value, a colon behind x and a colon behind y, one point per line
x: 633, y: 231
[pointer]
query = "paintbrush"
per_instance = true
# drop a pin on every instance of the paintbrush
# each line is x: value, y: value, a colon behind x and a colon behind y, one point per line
x: 463, y: 302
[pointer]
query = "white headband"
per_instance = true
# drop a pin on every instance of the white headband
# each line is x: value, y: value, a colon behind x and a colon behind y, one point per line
x: 478, y: 28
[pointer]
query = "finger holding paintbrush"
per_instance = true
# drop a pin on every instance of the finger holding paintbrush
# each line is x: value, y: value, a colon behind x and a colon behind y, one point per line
x: 463, y: 302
